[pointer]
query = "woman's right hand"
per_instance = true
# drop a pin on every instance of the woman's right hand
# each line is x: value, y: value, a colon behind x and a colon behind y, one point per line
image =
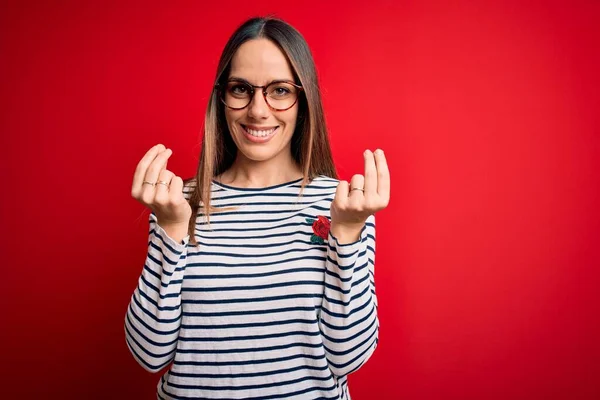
x: 164, y: 194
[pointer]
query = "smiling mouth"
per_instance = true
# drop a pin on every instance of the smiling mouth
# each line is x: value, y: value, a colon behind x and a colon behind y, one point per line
x: 259, y: 133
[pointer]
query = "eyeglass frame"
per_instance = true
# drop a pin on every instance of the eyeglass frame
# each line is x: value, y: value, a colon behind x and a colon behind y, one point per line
x: 219, y: 88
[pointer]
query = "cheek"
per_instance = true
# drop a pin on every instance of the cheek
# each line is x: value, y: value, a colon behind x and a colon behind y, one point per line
x: 291, y: 118
x: 230, y: 118
x: 228, y: 115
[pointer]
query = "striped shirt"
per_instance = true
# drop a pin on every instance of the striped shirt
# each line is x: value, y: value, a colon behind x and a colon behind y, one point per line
x: 261, y: 308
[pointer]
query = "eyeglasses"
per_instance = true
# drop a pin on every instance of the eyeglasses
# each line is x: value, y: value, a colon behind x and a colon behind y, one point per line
x: 279, y: 95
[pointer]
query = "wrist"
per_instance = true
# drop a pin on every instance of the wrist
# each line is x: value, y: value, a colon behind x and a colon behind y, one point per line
x: 346, y: 233
x: 176, y: 231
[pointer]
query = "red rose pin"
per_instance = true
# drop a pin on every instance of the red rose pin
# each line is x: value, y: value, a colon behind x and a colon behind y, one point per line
x: 320, y: 227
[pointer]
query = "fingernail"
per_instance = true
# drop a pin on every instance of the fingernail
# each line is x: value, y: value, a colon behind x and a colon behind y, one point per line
x: 366, y: 153
x: 379, y: 151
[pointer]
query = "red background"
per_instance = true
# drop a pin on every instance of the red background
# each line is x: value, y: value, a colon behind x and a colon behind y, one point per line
x: 487, y: 257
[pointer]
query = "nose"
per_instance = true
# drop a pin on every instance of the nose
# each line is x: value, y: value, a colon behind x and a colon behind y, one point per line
x: 258, y: 107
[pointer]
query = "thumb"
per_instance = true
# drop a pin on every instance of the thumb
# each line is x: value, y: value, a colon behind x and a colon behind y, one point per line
x: 341, y: 195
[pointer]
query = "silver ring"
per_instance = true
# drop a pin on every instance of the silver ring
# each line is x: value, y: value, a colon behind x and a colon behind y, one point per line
x: 149, y: 183
x: 362, y: 190
x: 163, y: 183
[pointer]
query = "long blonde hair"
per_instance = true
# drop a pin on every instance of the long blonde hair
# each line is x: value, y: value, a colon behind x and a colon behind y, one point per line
x: 310, y: 141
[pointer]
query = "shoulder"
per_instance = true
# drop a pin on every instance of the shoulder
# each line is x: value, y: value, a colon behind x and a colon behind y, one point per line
x: 323, y: 181
x: 189, y: 185
x: 321, y: 185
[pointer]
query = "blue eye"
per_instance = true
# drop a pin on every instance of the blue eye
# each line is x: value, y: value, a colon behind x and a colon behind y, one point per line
x: 281, y: 91
x: 238, y: 89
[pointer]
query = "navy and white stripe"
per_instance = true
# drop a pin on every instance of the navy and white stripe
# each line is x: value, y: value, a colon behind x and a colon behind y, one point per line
x: 256, y: 310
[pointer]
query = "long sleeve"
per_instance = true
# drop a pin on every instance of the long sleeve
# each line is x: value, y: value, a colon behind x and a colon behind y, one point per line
x: 154, y: 314
x: 348, y: 320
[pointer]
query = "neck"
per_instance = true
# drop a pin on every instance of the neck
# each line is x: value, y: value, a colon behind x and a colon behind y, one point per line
x: 248, y: 173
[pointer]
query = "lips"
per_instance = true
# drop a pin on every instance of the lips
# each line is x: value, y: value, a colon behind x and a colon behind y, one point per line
x: 258, y: 128
x: 259, y: 134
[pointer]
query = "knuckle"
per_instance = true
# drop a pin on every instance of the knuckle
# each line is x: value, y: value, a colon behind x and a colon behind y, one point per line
x: 153, y: 168
x: 163, y: 176
x: 147, y: 197
x: 142, y: 166
x: 174, y: 202
x: 341, y: 206
x: 360, y: 204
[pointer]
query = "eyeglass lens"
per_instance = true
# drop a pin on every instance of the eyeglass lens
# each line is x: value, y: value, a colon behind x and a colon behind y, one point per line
x: 280, y: 95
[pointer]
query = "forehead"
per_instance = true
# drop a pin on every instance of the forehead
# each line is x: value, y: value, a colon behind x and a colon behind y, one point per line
x: 260, y: 61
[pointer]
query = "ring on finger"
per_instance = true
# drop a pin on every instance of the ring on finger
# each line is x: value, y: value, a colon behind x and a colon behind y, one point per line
x: 149, y: 183
x: 163, y: 183
x: 361, y: 189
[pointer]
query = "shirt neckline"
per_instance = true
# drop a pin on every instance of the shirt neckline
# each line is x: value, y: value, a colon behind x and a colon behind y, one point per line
x: 266, y: 188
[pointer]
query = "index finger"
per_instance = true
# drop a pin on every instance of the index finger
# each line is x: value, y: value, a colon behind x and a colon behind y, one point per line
x: 383, y: 175
x: 142, y: 167
x: 370, y: 173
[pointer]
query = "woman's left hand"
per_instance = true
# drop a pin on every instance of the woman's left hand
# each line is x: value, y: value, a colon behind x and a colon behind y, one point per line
x: 352, y: 206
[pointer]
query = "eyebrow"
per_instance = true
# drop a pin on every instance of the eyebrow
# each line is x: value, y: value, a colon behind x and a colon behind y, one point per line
x: 237, y: 78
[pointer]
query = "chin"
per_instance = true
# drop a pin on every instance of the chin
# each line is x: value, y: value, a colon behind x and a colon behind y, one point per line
x: 259, y: 156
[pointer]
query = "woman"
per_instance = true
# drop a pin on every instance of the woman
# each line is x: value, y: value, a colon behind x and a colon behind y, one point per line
x: 259, y: 277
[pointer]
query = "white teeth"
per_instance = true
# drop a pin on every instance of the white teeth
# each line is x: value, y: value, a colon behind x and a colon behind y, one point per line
x: 260, y: 133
